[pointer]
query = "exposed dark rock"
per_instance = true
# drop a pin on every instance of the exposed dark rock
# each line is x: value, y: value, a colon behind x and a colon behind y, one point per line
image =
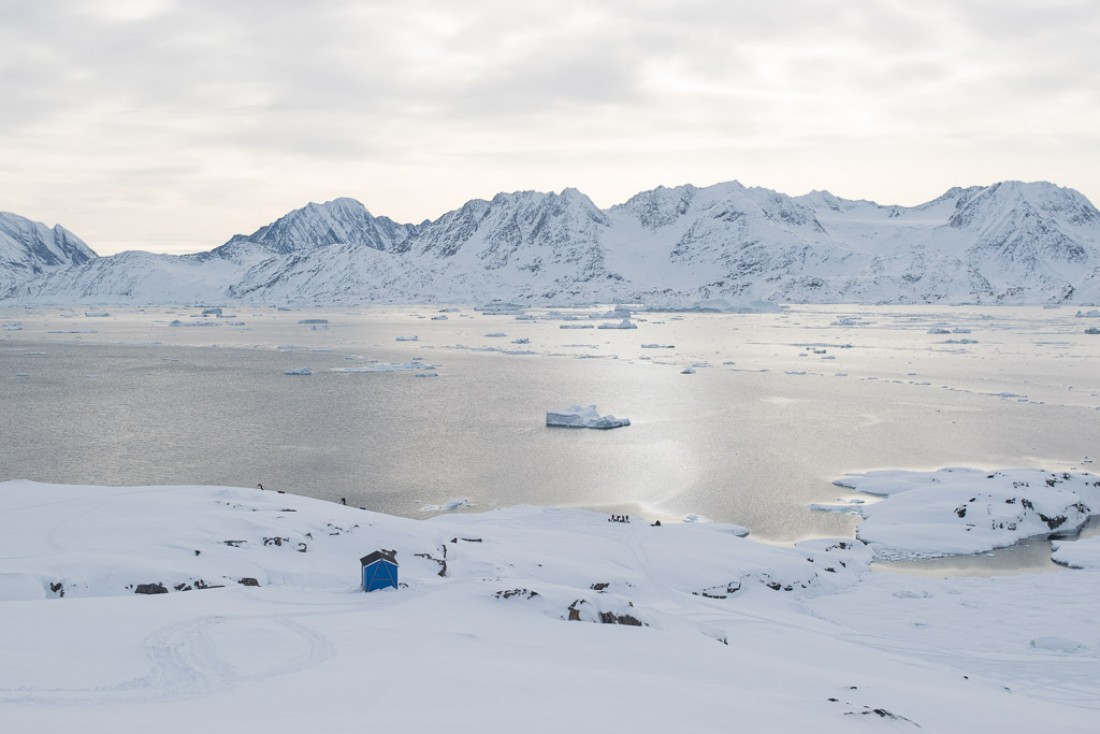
x: 58, y: 588
x: 882, y: 713
x: 510, y: 593
x: 442, y: 563
x: 600, y: 586
x: 1053, y: 522
x: 235, y: 543
x: 627, y: 619
x: 248, y: 581
x: 157, y: 588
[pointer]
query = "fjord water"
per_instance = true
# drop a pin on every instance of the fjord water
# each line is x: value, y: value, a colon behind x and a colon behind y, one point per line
x: 779, y: 404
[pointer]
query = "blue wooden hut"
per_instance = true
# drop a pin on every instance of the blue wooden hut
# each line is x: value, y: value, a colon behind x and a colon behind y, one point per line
x: 379, y: 570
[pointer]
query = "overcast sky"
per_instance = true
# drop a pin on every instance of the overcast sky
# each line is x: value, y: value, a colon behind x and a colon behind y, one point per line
x: 169, y: 125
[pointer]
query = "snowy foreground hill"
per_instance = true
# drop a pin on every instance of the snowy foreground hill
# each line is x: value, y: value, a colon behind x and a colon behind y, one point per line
x: 224, y: 610
x: 1010, y: 242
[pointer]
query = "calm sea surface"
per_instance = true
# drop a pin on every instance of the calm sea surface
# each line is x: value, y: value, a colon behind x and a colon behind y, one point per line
x: 779, y: 405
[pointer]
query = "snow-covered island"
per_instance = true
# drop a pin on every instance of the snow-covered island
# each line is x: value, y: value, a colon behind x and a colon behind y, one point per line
x: 962, y: 511
x: 216, y: 609
x: 583, y: 416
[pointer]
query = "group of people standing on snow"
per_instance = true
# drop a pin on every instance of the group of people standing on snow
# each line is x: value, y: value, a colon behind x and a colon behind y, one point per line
x: 619, y: 518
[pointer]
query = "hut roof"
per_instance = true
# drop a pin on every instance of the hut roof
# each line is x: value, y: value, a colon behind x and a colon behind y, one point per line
x: 379, y: 555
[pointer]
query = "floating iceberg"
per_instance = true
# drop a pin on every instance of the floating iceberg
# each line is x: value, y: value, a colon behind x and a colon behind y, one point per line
x: 577, y: 416
x: 412, y: 338
x: 299, y: 371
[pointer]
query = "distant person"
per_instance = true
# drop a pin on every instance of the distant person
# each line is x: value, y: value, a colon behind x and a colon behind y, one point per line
x: 260, y: 486
x: 343, y: 500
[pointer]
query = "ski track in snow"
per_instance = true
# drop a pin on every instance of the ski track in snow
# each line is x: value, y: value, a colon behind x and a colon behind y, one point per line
x: 185, y: 663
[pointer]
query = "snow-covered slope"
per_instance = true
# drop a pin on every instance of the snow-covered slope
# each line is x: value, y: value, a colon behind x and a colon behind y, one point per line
x: 31, y: 248
x: 1007, y: 243
x: 134, y: 277
x: 223, y: 609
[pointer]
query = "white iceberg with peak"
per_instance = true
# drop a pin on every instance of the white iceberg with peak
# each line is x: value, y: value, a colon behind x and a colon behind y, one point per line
x: 578, y: 416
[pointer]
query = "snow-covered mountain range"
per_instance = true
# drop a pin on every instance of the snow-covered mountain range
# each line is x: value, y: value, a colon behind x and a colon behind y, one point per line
x: 1011, y: 242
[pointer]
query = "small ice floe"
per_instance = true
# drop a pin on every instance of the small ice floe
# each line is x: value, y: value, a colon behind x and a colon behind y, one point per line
x: 415, y: 364
x: 687, y: 371
x: 1092, y: 330
x: 441, y: 317
x: 496, y: 335
x: 939, y: 331
x: 216, y: 311
x: 576, y: 326
x: 961, y: 341
x: 426, y: 374
x: 299, y: 371
x: 449, y: 309
x: 408, y: 338
x: 446, y: 506
x: 500, y: 308
x: 583, y: 416
x: 960, y: 330
x: 795, y: 372
x: 658, y: 346
x: 1093, y: 314
x: 177, y: 322
x: 13, y: 326
x: 96, y: 314
x: 521, y: 340
x: 851, y: 506
x: 1083, y: 553
x: 624, y: 324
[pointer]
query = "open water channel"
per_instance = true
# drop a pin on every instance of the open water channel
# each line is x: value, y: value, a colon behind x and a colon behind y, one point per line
x: 778, y: 404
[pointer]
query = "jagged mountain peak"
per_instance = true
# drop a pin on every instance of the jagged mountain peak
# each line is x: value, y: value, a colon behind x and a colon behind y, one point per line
x: 728, y: 201
x: 1009, y: 203
x: 30, y: 248
x: 339, y: 221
